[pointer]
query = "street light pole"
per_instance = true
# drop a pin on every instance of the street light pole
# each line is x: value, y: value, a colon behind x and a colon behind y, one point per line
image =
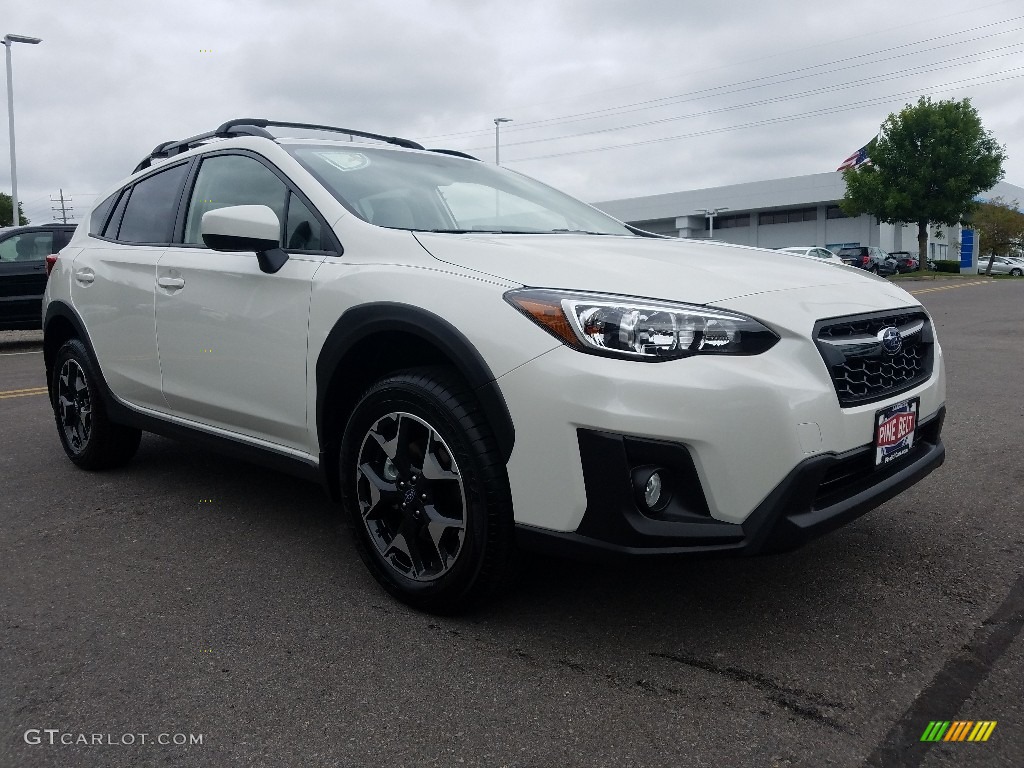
x: 710, y: 214
x: 9, y: 40
x: 497, y: 125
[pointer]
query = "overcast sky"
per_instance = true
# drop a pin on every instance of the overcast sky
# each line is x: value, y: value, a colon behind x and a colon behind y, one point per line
x: 609, y: 98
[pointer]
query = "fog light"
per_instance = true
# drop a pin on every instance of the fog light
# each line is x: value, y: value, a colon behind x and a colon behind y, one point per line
x: 652, y: 491
x: 652, y: 488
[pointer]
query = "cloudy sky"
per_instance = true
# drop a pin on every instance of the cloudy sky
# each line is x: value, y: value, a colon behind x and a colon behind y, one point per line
x: 609, y: 98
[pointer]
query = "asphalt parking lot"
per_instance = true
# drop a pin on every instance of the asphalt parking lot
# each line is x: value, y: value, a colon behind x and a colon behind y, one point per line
x: 192, y: 595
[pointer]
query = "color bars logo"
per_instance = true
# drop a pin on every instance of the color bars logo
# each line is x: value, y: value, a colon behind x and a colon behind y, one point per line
x: 958, y: 730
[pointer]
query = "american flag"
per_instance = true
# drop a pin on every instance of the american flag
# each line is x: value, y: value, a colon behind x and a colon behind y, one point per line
x: 856, y: 159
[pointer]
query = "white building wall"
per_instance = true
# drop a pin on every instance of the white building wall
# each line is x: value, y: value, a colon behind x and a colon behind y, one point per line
x: 674, y: 213
x: 781, y: 235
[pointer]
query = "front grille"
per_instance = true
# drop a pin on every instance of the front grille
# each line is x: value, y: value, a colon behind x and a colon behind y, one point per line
x: 871, y: 325
x: 862, y: 371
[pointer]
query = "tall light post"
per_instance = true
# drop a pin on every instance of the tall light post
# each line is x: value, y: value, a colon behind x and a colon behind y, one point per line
x: 497, y: 125
x: 10, y: 40
x: 710, y: 213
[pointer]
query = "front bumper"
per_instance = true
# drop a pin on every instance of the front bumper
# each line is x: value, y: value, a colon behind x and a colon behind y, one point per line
x: 821, y: 494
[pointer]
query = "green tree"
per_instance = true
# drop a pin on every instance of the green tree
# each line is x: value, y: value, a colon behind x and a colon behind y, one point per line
x: 5, y: 211
x: 928, y: 163
x: 1001, y: 227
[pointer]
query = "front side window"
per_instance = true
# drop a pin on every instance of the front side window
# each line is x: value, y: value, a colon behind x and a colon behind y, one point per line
x: 226, y: 180
x: 152, y: 206
x: 427, y: 191
x: 28, y: 246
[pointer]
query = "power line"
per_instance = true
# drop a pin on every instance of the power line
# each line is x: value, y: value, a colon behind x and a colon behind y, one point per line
x: 922, y: 69
x: 719, y: 90
x: 771, y: 121
x: 682, y: 98
x: 830, y: 43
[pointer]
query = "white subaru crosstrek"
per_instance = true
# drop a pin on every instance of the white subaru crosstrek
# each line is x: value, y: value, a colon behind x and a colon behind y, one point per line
x: 472, y: 361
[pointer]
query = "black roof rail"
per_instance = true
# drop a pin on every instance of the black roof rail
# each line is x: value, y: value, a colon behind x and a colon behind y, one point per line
x: 454, y: 152
x: 171, y: 148
x: 256, y: 126
x: 261, y: 123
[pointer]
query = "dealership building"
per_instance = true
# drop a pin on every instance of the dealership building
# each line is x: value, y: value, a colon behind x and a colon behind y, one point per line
x: 798, y: 211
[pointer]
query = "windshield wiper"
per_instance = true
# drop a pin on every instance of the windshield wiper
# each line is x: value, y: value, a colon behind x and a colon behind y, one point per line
x: 466, y: 231
x: 513, y: 232
x: 579, y: 232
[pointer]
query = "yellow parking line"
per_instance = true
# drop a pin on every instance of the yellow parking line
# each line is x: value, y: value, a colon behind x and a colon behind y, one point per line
x: 950, y: 287
x: 7, y: 394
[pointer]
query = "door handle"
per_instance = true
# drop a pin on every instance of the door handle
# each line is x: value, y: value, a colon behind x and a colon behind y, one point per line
x: 171, y: 282
x: 85, y: 275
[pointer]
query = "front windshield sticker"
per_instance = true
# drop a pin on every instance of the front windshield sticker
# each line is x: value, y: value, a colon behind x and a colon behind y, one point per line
x: 345, y: 161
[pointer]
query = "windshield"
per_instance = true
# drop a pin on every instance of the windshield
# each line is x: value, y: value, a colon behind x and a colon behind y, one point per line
x: 434, y: 192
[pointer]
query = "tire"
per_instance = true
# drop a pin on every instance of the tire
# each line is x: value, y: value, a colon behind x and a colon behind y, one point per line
x: 874, y: 269
x: 89, y: 438
x: 426, y: 493
x: 1016, y: 272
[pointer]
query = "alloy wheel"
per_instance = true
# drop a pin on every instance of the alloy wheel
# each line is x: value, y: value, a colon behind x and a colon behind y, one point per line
x: 75, y: 404
x: 411, y: 496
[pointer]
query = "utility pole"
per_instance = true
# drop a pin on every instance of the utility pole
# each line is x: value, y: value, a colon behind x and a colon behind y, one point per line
x: 64, y: 209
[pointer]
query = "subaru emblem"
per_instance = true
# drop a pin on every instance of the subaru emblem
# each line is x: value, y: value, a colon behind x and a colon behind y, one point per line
x: 891, y: 339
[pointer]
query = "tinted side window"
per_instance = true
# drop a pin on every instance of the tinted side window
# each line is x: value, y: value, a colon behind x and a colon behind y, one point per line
x: 232, y: 180
x: 149, y: 215
x: 303, y: 231
x: 61, y: 237
x: 28, y: 246
x: 115, y: 220
x: 99, y: 215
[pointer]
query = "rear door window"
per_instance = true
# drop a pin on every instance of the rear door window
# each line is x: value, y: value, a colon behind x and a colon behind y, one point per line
x: 149, y: 214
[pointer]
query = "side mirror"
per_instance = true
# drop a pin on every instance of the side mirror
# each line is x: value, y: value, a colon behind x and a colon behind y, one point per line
x: 246, y: 228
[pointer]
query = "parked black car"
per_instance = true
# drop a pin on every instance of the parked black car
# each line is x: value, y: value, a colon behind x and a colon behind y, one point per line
x: 23, y: 252
x: 870, y: 258
x: 905, y: 261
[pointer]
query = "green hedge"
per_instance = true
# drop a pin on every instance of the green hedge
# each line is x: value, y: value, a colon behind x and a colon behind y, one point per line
x: 947, y: 265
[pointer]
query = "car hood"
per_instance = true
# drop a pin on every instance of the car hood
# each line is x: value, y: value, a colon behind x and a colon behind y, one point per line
x: 681, y: 270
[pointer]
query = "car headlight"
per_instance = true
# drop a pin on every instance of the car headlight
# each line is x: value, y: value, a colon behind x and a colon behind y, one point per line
x: 640, y: 329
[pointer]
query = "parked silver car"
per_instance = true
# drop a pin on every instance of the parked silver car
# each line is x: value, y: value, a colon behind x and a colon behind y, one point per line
x: 1001, y: 265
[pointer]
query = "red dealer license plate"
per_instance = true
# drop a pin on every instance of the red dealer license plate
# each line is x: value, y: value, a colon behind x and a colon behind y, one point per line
x: 895, y: 431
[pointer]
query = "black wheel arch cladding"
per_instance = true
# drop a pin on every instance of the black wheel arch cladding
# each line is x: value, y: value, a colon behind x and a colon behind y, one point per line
x: 367, y: 320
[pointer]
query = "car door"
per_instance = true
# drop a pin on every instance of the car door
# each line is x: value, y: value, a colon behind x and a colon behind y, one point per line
x: 113, y: 284
x: 232, y: 338
x: 23, y: 277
